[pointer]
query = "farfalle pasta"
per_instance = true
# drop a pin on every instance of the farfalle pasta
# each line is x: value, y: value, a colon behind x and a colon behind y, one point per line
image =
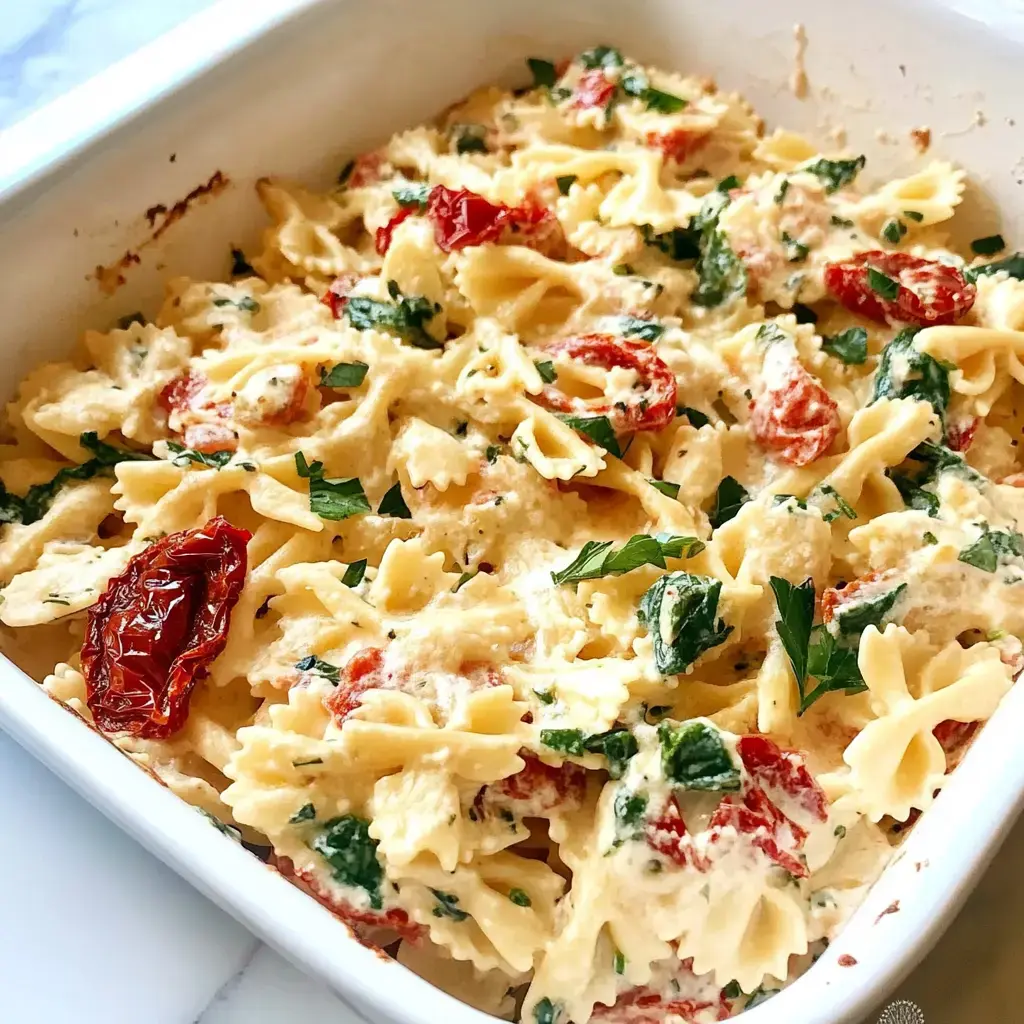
x: 572, y: 549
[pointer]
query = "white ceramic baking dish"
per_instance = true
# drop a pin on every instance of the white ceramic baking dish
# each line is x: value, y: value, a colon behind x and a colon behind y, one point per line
x: 296, y: 87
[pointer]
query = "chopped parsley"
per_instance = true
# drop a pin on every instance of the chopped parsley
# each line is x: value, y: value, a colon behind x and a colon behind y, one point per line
x: 915, y: 215
x: 783, y: 189
x: 307, y: 812
x: 183, y: 456
x: 849, y: 346
x: 842, y: 506
x: 884, y: 285
x: 988, y: 246
x: 730, y: 497
x: 346, y: 845
x: 405, y: 317
x: 344, y: 375
x: 629, y: 807
x: 597, y: 428
x: 601, y: 57
x: 520, y: 897
x: 412, y: 196
x: 638, y: 86
x: 836, y: 174
x: 796, y: 252
x: 893, y: 230
x: 616, y: 745
x: 448, y: 906
x: 470, y: 138
x: 929, y: 538
x: 247, y: 304
x: 492, y: 452
x: 906, y: 372
x: 331, y: 499
x: 393, y: 504
x: 598, y: 559
x: 694, y: 756
x: 1012, y: 265
x: 680, y: 612
x: 619, y: 962
x: 645, y: 330
x: 547, y: 371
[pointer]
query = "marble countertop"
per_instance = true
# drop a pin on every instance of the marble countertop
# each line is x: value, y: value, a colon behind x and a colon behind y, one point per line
x: 120, y: 932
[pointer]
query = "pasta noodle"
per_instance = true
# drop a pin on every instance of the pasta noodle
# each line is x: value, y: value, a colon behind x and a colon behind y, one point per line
x: 591, y: 526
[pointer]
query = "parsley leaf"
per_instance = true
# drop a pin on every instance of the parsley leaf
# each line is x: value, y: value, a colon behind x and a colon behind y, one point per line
x: 679, y: 610
x: 906, y: 372
x: 598, y: 559
x: 679, y: 244
x: 543, y: 71
x: 354, y: 573
x: 547, y: 371
x: 645, y: 330
x: 694, y: 756
x: 730, y: 497
x: 346, y: 845
x: 843, y: 507
x: 448, y: 906
x: 344, y: 375
x: 393, y: 504
x: 849, y: 346
x: 331, y: 499
x: 183, y: 456
x: 721, y: 272
x: 412, y: 195
x: 883, y: 284
x: 597, y: 428
x: 796, y: 613
x: 405, y: 317
x: 1012, y: 265
x: 991, y: 548
x: 834, y: 665
x: 836, y: 174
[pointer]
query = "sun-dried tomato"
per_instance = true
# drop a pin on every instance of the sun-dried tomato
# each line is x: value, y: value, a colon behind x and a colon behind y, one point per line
x: 593, y: 90
x: 953, y: 735
x: 362, y: 672
x: 210, y: 437
x: 338, y: 291
x: 395, y: 919
x: 667, y: 835
x: 774, y: 768
x: 652, y: 406
x: 382, y: 239
x: 835, y: 597
x: 366, y: 170
x: 642, y: 1006
x: 462, y: 218
x: 202, y: 423
x: 927, y: 292
x: 960, y: 436
x: 798, y: 421
x: 760, y: 819
x: 540, y: 788
x: 182, y: 392
x: 534, y: 225
x: 678, y: 144
x: 155, y: 630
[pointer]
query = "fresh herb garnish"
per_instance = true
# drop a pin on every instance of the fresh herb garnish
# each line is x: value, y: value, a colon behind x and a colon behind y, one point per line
x: 331, y: 499
x: 597, y: 428
x: 412, y: 196
x: 666, y: 487
x: 849, y: 346
x: 836, y: 174
x: 616, y: 745
x: 448, y: 906
x: 796, y: 252
x: 470, y: 138
x: 853, y: 618
x: 564, y: 183
x: 547, y: 1012
x: 842, y: 506
x: 307, y: 812
x: 598, y: 559
x: 783, y: 189
x: 915, y: 215
x: 405, y: 317
x: 645, y: 330
x: 893, y: 230
x: 619, y: 962
x: 520, y: 897
x: 730, y: 497
x: 929, y: 538
x: 183, y: 456
x: 629, y: 807
x: 543, y: 71
x: 247, y: 304
x: 694, y: 756
x: 991, y: 548
x: 721, y: 272
x: 344, y: 375
x: 393, y: 504
x: 695, y: 416
x: 240, y: 266
x: 601, y: 57
x: 796, y: 614
x: 884, y: 285
x: 547, y: 371
x: 319, y: 667
x: 492, y: 452
x: 1012, y: 265
x: 988, y: 246
x: 354, y: 573
x: 680, y: 612
x: 906, y: 372
x: 346, y: 845
x: 638, y: 86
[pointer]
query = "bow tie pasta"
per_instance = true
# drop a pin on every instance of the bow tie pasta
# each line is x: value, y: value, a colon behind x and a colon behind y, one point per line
x: 572, y: 548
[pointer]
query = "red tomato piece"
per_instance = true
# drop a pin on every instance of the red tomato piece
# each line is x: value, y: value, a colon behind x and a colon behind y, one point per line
x: 535, y: 226
x: 365, y: 170
x: 759, y: 818
x: 667, y: 835
x: 181, y: 393
x: 960, y: 435
x: 395, y: 919
x: 293, y: 409
x: 593, y: 90
x: 382, y: 240
x: 775, y: 768
x: 210, y: 437
x: 156, y: 628
x: 836, y: 597
x: 928, y: 292
x: 462, y: 218
x: 541, y: 787
x: 364, y: 671
x: 653, y: 406
x: 642, y: 1006
x: 954, y: 735
x: 338, y: 291
x: 678, y: 144
x: 798, y: 421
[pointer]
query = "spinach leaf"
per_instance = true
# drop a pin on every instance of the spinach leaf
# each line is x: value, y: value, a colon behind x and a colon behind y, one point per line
x: 679, y: 244
x: 346, y: 845
x: 331, y: 499
x: 796, y: 613
x: 565, y: 741
x: 344, y: 375
x: 597, y: 428
x: 796, y: 252
x: 906, y: 372
x: 842, y: 506
x: 849, y: 346
x: 547, y: 371
x: 893, y: 230
x: 730, y: 497
x: 1012, y: 265
x: 183, y: 456
x: 405, y: 317
x: 601, y: 57
x: 307, y: 812
x: 617, y: 746
x: 564, y: 183
x: 393, y: 504
x: 354, y: 573
x: 988, y: 246
x: 679, y: 610
x: 645, y: 330
x: 543, y: 71
x: 412, y: 195
x: 637, y: 85
x: 693, y: 756
x: 598, y: 559
x: 721, y: 272
x: 629, y: 807
x: 448, y: 906
x: 991, y: 548
x: 319, y: 667
x: 855, y: 617
x: 835, y: 174
x: 914, y: 496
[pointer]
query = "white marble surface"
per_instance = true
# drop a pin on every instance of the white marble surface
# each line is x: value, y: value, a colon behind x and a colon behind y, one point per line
x: 120, y: 939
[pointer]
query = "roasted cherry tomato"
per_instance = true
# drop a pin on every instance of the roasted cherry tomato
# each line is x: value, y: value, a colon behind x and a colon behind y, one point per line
x: 797, y: 421
x: 676, y: 145
x: 155, y: 630
x: 396, y: 919
x: 904, y: 290
x: 593, y: 90
x: 203, y: 424
x: 362, y: 672
x: 182, y: 392
x: 954, y: 736
x: 652, y: 406
x: 834, y: 598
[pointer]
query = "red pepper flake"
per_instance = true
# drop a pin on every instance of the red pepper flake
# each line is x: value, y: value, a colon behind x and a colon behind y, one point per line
x: 157, y: 627
x: 845, y: 960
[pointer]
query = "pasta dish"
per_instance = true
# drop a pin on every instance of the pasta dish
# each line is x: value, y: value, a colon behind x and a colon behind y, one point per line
x: 574, y: 547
